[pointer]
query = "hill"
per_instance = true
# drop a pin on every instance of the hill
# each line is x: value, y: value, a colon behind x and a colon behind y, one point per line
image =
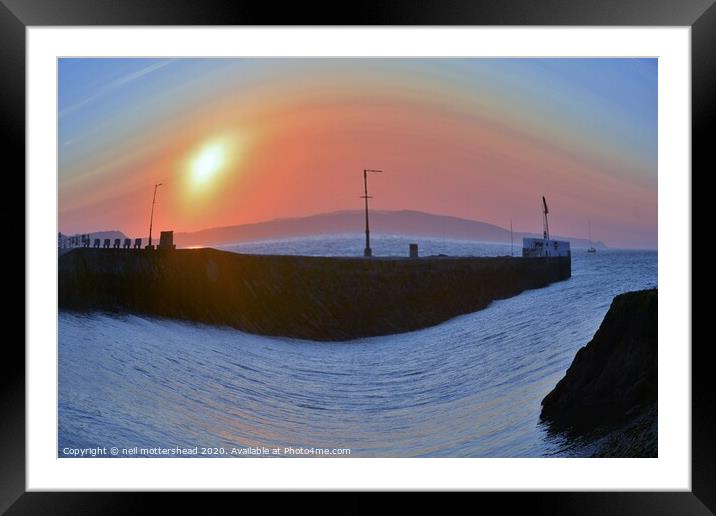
x: 405, y: 222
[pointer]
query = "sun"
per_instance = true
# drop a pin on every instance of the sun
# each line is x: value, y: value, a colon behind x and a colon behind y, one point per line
x: 207, y: 163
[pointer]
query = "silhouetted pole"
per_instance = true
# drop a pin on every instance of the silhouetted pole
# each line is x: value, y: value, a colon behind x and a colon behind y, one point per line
x: 367, y: 251
x: 546, y: 222
x: 151, y: 217
x: 512, y: 241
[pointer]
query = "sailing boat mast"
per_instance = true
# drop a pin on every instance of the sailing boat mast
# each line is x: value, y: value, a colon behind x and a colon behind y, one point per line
x: 512, y: 242
x: 591, y: 248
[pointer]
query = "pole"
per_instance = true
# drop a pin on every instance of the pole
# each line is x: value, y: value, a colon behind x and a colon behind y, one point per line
x: 367, y: 251
x: 512, y: 242
x: 546, y: 222
x: 151, y: 217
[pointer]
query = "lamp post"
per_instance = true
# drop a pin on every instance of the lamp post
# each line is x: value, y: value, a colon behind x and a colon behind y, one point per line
x: 151, y: 217
x: 367, y: 251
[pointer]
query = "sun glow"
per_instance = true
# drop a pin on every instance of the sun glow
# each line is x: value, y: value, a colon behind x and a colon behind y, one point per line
x: 209, y: 167
x: 208, y: 162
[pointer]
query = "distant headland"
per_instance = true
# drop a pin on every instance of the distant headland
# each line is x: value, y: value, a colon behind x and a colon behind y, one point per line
x: 405, y: 222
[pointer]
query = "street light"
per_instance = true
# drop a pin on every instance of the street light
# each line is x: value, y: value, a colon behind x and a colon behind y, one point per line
x: 151, y: 217
x: 367, y: 251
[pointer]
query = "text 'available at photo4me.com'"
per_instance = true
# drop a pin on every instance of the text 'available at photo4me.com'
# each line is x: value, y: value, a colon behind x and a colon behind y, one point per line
x: 204, y: 451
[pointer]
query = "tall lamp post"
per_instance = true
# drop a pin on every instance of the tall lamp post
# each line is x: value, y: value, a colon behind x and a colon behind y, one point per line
x: 151, y: 217
x: 367, y: 251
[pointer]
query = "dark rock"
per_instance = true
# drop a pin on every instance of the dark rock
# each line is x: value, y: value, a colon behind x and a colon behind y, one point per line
x: 611, y: 385
x: 637, y: 438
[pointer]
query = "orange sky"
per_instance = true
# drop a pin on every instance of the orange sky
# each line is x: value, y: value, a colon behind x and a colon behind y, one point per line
x: 240, y: 141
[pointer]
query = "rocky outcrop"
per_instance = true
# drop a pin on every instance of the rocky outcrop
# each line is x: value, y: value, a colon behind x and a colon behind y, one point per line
x: 638, y: 437
x: 316, y: 298
x: 610, y: 390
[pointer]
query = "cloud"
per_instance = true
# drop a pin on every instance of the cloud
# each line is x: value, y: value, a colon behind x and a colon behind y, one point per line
x: 117, y: 83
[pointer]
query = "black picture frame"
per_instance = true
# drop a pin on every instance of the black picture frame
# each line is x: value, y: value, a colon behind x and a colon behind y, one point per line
x: 700, y: 15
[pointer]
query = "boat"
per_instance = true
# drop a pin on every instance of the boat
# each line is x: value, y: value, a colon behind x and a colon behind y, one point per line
x: 591, y: 248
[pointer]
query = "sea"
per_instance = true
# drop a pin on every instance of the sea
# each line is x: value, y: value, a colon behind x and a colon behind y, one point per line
x: 144, y: 386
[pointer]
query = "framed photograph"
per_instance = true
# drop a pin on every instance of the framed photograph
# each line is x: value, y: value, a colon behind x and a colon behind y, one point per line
x: 421, y: 252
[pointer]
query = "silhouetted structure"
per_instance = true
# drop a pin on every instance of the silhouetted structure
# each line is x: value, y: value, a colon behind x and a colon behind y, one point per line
x: 306, y: 297
x: 151, y: 217
x: 106, y: 243
x: 127, y: 243
x: 512, y: 241
x: 137, y: 243
x: 166, y: 240
x: 117, y: 243
x: 413, y: 250
x: 544, y: 247
x: 367, y: 251
x: 78, y: 240
x: 96, y: 243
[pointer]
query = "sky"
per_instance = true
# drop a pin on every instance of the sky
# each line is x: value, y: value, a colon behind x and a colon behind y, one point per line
x: 243, y: 140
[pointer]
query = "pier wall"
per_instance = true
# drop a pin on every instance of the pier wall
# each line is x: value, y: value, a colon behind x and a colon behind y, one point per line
x: 317, y: 298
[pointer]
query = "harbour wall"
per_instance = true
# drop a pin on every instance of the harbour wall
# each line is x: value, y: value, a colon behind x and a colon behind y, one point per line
x: 317, y: 298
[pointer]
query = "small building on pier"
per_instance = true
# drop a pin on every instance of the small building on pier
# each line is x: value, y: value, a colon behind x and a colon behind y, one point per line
x: 543, y: 247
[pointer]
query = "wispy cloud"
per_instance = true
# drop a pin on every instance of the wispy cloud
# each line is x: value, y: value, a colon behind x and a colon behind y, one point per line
x: 117, y: 83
